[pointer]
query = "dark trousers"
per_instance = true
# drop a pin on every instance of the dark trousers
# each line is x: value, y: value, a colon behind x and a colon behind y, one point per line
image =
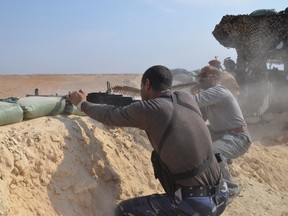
x: 162, y: 204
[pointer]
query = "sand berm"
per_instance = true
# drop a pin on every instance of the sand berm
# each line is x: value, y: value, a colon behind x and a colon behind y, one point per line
x: 72, y: 165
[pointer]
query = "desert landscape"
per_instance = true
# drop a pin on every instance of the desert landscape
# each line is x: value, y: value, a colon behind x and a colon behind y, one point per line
x: 71, y: 165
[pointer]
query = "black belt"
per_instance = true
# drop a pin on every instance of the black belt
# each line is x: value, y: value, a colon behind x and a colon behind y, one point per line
x: 202, y: 191
x: 199, y: 191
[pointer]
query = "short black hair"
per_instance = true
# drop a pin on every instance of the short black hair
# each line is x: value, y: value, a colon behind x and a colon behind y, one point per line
x: 160, y: 77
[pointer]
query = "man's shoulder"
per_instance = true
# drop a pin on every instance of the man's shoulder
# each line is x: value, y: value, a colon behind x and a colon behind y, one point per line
x: 218, y: 87
x: 227, y: 75
x: 219, y: 90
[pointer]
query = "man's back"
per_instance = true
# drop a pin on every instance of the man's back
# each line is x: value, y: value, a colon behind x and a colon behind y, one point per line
x: 221, y: 108
x: 188, y: 145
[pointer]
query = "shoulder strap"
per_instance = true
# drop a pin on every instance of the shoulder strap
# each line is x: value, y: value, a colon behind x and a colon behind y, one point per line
x: 169, y: 126
x: 189, y: 107
x: 197, y: 170
x: 171, y: 122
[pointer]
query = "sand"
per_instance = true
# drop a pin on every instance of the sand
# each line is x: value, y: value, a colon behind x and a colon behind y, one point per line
x: 72, y: 165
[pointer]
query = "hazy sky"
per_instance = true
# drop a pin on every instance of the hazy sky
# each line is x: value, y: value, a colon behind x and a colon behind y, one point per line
x: 114, y: 36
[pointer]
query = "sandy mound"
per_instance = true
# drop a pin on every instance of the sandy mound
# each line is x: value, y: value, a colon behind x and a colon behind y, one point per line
x: 71, y: 165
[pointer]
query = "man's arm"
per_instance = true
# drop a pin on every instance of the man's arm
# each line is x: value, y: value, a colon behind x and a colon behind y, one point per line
x: 132, y: 115
x: 210, y: 96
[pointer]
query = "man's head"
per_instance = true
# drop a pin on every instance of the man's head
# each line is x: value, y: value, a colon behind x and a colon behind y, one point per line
x: 215, y: 63
x: 155, y: 80
x: 229, y: 64
x: 208, y: 77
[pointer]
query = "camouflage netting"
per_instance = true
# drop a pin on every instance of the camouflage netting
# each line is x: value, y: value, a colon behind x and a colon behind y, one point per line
x: 253, y: 37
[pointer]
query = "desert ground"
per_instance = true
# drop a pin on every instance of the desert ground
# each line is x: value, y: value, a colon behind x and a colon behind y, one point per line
x: 71, y: 165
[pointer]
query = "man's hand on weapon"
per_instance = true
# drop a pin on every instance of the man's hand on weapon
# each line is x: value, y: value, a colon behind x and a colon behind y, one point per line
x: 76, y: 97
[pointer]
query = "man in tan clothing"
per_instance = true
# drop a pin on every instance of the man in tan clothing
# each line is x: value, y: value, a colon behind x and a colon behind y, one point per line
x: 227, y: 79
